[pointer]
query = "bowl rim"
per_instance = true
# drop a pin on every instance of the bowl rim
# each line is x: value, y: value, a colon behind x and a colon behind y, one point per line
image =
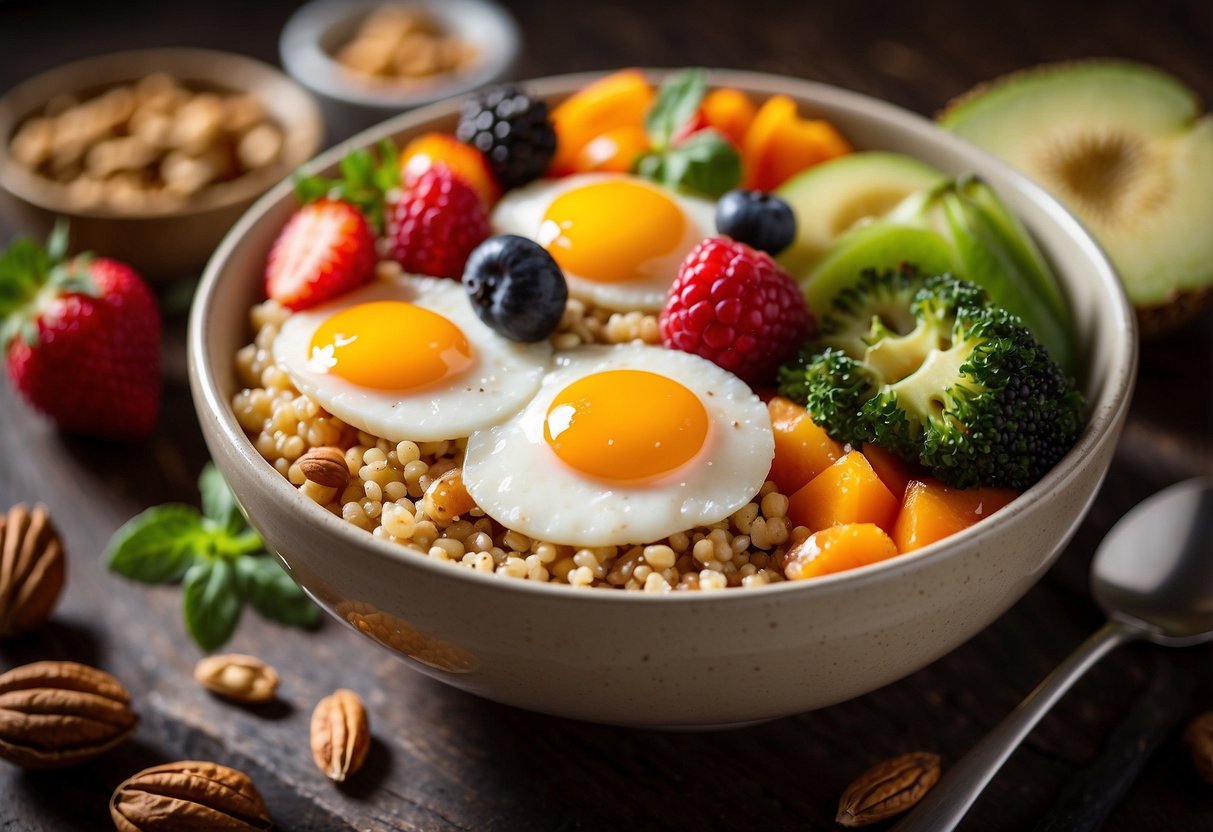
x: 311, y: 65
x: 201, y: 64
x: 1105, y: 414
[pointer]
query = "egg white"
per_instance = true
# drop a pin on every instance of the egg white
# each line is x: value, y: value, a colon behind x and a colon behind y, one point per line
x: 518, y: 480
x: 503, y: 376
x: 521, y: 212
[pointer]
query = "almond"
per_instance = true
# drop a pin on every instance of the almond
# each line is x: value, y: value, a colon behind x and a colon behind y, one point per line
x: 237, y: 676
x: 325, y: 466
x: 341, y: 734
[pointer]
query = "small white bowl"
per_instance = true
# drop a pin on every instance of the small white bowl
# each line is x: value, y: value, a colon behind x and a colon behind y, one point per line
x: 317, y: 30
x: 688, y: 659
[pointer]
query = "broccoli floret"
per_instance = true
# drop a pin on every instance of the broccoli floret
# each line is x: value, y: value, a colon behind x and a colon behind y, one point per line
x: 932, y: 371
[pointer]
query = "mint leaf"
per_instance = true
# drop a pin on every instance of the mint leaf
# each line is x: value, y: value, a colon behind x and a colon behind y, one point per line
x: 210, y: 603
x: 263, y: 583
x: 705, y: 163
x: 677, y: 100
x: 311, y: 188
x: 218, y: 502
x: 158, y: 545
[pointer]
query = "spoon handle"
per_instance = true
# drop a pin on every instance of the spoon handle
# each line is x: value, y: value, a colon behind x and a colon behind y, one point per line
x: 945, y: 805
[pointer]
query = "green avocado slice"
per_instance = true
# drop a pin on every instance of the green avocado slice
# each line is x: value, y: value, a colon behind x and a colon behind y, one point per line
x: 1122, y: 145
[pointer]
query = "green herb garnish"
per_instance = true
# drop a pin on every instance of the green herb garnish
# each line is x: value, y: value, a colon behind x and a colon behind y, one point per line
x: 704, y: 161
x: 219, y: 560
x: 366, y: 178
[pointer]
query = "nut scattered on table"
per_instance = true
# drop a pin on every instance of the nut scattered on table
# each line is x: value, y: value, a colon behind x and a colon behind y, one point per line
x: 238, y: 676
x: 325, y: 466
x: 1198, y: 737
x: 888, y: 788
x: 191, y: 794
x: 402, y: 44
x: 56, y: 714
x: 152, y: 143
x: 32, y: 569
x: 341, y: 734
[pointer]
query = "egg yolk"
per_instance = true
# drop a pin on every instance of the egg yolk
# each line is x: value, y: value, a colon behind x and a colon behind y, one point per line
x: 610, y: 231
x: 625, y: 425
x: 390, y: 345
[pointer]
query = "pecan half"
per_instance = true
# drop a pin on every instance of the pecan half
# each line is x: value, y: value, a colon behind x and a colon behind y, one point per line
x: 341, y: 734
x: 237, y: 676
x: 32, y: 569
x: 55, y: 714
x: 191, y: 794
x: 888, y: 788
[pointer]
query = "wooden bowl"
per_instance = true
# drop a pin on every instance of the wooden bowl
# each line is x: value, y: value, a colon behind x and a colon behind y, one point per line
x: 161, y: 243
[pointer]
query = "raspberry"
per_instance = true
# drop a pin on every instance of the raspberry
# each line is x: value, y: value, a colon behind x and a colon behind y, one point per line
x: 512, y: 130
x: 735, y: 307
x: 435, y: 224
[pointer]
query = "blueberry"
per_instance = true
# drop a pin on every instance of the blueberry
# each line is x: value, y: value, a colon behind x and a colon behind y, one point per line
x: 516, y: 287
x: 756, y: 218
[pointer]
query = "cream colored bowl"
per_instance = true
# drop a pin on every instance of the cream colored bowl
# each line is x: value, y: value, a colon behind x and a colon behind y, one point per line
x: 682, y: 659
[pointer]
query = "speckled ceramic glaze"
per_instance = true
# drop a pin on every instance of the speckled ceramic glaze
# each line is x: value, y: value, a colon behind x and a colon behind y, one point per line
x: 682, y: 659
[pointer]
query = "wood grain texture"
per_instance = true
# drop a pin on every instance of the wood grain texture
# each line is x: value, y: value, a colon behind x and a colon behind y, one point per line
x: 445, y: 760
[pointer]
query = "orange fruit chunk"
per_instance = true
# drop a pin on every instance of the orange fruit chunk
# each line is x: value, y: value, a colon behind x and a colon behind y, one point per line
x: 614, y: 151
x: 730, y: 111
x: 893, y: 471
x: 847, y: 492
x: 931, y: 511
x: 619, y: 100
x: 463, y: 160
x: 780, y: 144
x: 837, y: 549
x: 802, y: 449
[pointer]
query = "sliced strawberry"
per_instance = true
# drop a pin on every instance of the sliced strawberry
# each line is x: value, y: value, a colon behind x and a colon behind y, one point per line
x: 81, y: 339
x: 325, y: 250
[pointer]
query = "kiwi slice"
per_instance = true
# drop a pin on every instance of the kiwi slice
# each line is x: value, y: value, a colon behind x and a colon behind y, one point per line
x: 1126, y: 148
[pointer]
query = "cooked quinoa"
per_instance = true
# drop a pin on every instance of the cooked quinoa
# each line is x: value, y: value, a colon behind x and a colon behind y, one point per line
x: 387, y: 493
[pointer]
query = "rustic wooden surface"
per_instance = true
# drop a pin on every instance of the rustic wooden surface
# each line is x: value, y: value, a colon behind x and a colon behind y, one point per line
x: 446, y: 760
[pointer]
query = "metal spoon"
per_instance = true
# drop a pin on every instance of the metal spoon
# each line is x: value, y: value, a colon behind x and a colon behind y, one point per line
x: 1153, y: 575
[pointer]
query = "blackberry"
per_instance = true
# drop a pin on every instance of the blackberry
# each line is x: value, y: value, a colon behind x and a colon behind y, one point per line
x: 513, y: 132
x: 758, y: 219
x: 516, y: 288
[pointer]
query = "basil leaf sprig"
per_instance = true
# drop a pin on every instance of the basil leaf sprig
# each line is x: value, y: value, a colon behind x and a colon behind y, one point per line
x: 219, y: 560
x: 704, y: 161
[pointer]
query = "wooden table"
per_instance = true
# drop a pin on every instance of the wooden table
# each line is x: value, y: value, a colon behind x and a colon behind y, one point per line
x: 446, y: 760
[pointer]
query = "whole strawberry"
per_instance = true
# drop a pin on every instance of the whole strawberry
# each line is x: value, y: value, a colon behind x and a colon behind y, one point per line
x: 81, y: 339
x: 735, y: 307
x: 434, y: 225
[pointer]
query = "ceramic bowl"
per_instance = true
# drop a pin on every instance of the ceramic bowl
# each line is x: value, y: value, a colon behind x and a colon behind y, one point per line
x: 318, y: 29
x: 159, y: 243
x: 690, y: 659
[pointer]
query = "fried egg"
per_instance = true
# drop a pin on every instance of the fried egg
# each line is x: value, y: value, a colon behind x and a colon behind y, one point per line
x: 407, y: 358
x: 619, y: 239
x: 623, y: 444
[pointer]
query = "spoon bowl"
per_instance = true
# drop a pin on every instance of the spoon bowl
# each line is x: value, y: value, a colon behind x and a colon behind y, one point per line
x: 1154, y: 570
x: 1153, y: 575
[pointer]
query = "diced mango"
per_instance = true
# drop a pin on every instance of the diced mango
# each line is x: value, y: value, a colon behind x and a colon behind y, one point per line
x: 893, y: 471
x: 931, y: 511
x: 730, y: 111
x: 802, y: 449
x: 838, y: 548
x: 780, y: 144
x: 616, y: 101
x: 463, y: 160
x: 615, y: 150
x: 847, y: 492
